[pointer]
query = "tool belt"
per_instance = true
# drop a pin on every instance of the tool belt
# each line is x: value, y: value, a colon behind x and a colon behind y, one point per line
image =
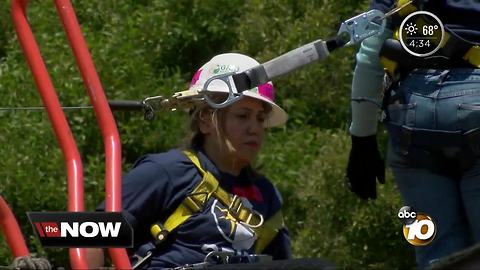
x: 195, y: 201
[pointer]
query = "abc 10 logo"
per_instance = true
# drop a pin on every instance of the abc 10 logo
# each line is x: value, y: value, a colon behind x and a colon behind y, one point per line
x: 418, y: 228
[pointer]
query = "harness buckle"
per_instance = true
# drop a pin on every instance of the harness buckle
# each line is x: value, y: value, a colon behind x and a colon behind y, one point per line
x: 238, y: 209
x: 251, y: 217
x: 194, y: 203
x: 236, y: 204
x: 159, y: 232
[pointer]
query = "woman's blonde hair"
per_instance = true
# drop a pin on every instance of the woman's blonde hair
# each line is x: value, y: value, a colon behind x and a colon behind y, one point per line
x: 195, y: 138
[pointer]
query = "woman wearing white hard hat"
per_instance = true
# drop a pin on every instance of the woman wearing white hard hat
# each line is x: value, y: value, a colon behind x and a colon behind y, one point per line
x: 192, y: 205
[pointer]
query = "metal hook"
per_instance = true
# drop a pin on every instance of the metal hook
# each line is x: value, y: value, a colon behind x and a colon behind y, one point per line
x: 218, y: 257
x: 150, y: 105
x: 233, y: 94
x: 363, y: 26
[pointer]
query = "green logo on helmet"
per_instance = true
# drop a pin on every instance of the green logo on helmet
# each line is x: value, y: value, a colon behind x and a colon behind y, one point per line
x: 222, y: 69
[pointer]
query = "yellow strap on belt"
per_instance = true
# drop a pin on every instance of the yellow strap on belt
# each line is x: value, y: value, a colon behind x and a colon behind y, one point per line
x: 473, y: 56
x: 209, y: 186
x: 195, y: 160
x: 389, y: 66
x: 193, y: 202
x: 267, y: 232
x: 179, y: 216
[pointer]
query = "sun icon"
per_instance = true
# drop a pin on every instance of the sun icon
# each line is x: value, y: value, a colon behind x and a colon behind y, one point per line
x: 411, y: 28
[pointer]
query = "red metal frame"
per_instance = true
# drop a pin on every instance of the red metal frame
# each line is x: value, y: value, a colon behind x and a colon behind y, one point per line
x: 11, y: 230
x: 104, y: 116
x: 57, y: 118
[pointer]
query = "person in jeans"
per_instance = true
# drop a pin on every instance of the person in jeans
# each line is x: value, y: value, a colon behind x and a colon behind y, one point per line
x: 432, y: 114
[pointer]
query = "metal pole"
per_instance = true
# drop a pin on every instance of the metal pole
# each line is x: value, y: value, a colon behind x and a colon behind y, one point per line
x: 104, y: 117
x: 12, y: 232
x: 57, y: 118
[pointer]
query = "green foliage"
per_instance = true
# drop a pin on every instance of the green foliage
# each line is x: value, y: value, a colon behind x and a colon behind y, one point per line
x: 324, y: 218
x: 145, y: 48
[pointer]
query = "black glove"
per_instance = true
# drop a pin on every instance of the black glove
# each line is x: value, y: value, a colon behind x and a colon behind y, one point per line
x: 364, y: 166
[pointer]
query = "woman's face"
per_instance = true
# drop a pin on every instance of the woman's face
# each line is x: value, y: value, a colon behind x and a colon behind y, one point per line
x: 243, y: 125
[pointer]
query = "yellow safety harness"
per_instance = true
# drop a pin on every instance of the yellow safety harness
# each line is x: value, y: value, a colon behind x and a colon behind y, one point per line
x: 208, y: 188
x: 195, y: 201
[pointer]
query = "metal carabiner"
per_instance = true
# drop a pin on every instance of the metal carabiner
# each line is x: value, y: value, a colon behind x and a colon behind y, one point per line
x: 363, y: 26
x: 218, y: 257
x: 250, y: 217
x: 179, y: 100
x: 233, y: 94
x: 238, y: 203
x: 141, y: 260
x: 151, y: 105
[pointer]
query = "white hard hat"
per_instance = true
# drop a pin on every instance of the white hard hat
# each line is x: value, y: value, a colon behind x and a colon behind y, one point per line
x: 235, y: 62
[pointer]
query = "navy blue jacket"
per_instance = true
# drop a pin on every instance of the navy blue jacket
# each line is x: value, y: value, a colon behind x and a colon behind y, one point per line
x: 158, y: 183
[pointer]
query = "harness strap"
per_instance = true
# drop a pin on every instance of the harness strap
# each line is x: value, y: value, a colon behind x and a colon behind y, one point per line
x: 473, y: 56
x: 267, y: 232
x: 235, y: 203
x: 196, y: 200
x: 454, y: 46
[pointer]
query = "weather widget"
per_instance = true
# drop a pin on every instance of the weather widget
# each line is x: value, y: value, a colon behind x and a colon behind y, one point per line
x: 421, y: 33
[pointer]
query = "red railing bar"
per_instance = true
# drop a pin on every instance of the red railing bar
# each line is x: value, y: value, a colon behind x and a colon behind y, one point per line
x: 57, y: 118
x: 11, y: 230
x: 104, y: 116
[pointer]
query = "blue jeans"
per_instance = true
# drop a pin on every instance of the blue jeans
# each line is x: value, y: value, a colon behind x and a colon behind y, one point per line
x: 431, y: 178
